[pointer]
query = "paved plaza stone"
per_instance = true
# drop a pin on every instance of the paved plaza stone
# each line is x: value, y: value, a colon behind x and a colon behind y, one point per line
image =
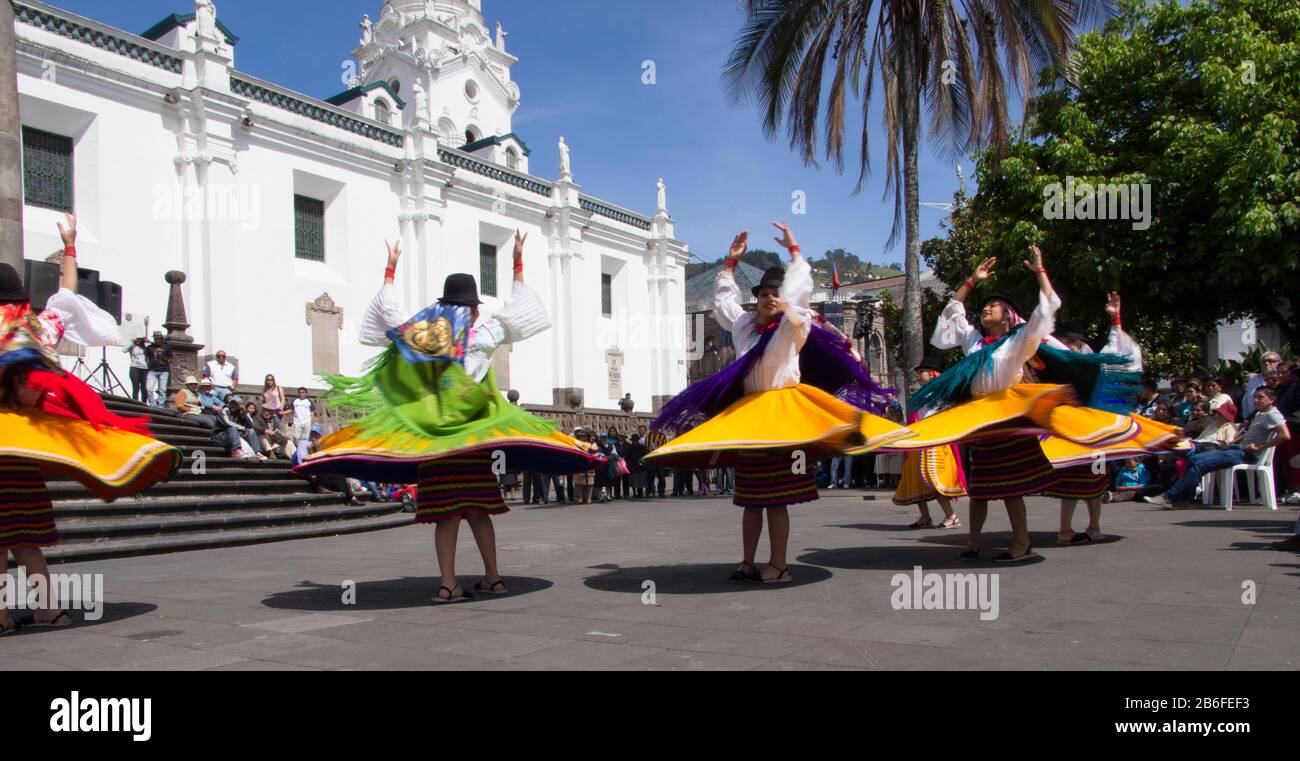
x: 1163, y: 591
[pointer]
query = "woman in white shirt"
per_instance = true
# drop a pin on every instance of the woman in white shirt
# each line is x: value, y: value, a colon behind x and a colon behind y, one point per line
x: 431, y: 413
x: 770, y: 414
x: 1000, y: 416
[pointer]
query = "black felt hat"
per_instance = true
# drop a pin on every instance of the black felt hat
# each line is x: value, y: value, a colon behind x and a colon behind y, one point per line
x: 930, y: 363
x: 460, y: 289
x: 11, y: 285
x: 1004, y: 297
x: 1070, y: 331
x: 772, y: 278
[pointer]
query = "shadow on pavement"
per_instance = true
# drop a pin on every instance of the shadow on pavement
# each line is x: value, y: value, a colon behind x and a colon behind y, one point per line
x: 112, y: 611
x: 698, y: 578
x: 406, y: 592
x: 905, y: 558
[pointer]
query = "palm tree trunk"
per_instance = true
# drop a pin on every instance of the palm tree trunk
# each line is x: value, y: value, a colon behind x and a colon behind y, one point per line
x: 913, y: 336
x: 11, y: 146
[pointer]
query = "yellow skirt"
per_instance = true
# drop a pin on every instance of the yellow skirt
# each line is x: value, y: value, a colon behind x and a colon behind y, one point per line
x: 1026, y: 408
x: 109, y: 462
x: 928, y: 474
x: 1151, y: 436
x: 800, y: 417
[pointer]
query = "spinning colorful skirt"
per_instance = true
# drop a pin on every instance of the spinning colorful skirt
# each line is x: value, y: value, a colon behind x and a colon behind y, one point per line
x: 38, y: 445
x: 1081, y: 470
x: 67, y: 432
x: 431, y: 423
x: 929, y: 474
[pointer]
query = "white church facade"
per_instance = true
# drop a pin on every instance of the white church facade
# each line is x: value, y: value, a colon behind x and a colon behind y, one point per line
x: 276, y: 205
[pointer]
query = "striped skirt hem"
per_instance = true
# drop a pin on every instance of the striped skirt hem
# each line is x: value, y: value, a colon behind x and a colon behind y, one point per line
x: 450, y: 487
x: 26, y: 513
x: 1007, y: 467
x: 1078, y: 482
x: 768, y: 482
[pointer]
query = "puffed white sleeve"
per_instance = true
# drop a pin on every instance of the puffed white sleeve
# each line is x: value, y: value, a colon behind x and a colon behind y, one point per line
x: 1040, y: 324
x: 1120, y: 342
x: 953, y: 330
x: 83, y: 321
x: 731, y: 316
x: 796, y: 293
x: 383, y: 314
x: 522, y: 316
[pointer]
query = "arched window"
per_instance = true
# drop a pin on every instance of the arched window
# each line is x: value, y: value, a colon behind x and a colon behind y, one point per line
x: 512, y: 158
x: 469, y: 136
x: 382, y: 113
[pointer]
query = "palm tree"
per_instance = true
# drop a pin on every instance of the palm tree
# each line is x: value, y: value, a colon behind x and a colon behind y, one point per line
x: 11, y: 146
x: 956, y: 55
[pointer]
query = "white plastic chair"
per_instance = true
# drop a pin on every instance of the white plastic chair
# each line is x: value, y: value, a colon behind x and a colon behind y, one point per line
x: 1261, y: 472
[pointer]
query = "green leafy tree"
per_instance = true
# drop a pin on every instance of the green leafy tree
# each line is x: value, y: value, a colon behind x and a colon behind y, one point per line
x: 1200, y: 104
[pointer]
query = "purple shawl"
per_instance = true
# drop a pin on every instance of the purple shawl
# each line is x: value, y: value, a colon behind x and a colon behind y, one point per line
x: 824, y: 362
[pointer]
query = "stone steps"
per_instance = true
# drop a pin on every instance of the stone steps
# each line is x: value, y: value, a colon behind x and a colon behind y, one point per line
x: 229, y: 501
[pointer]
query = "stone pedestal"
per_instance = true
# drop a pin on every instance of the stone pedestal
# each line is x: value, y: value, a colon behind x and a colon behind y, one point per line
x: 185, y: 352
x: 572, y: 398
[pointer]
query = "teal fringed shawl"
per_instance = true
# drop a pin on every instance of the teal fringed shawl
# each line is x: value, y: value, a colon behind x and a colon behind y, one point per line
x: 1095, y: 384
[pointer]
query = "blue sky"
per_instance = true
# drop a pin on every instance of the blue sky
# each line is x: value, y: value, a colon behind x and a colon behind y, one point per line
x: 580, y: 73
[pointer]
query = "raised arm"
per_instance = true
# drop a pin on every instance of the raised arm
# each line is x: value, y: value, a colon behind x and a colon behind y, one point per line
x: 726, y: 294
x: 82, y: 320
x: 1041, y: 321
x: 796, y: 288
x: 1120, y: 342
x: 384, y: 313
x: 953, y: 330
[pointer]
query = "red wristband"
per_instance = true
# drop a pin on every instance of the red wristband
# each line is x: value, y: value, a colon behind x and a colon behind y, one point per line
x: 69, y: 250
x: 969, y: 283
x: 1115, y: 321
x: 730, y: 263
x: 519, y: 265
x: 1041, y: 270
x: 390, y: 273
x: 795, y: 249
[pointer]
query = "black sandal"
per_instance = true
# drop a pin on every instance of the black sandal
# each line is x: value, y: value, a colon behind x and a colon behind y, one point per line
x: 464, y: 596
x: 491, y: 589
x: 10, y: 629
x: 63, y: 619
x: 1007, y: 557
x: 782, y: 577
x: 1080, y: 538
x: 742, y: 576
x: 971, y: 553
x: 922, y: 524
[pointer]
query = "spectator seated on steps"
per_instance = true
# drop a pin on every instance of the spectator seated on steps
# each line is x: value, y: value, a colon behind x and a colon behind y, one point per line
x: 189, y: 404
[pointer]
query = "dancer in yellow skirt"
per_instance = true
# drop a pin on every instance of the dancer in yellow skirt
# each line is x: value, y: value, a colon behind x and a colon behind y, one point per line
x: 796, y: 393
x: 431, y: 413
x: 1000, y: 416
x: 931, y: 474
x: 55, y: 425
x: 1088, y: 482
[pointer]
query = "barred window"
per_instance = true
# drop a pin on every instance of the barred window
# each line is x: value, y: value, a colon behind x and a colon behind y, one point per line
x: 382, y: 114
x: 607, y: 295
x: 47, y: 170
x: 487, y: 269
x: 308, y: 228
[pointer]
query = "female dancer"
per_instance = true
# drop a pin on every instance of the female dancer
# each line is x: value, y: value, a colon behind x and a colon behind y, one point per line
x: 772, y: 412
x: 56, y: 425
x: 1089, y: 482
x: 432, y: 414
x: 1001, y: 416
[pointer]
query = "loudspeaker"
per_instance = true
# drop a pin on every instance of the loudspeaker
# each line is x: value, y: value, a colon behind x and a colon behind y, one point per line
x: 42, y: 280
x: 88, y: 283
x: 110, y: 299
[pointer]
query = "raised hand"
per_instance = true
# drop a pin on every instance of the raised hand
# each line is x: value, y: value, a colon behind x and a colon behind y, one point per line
x: 786, y: 239
x: 69, y: 235
x: 739, y: 245
x: 985, y: 269
x: 1113, y: 304
x: 1035, y: 264
x: 394, y: 252
x: 519, y: 245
